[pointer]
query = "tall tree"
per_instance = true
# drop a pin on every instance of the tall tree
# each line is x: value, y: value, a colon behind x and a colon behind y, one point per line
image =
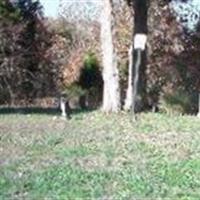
x: 23, y: 39
x: 111, y: 90
x: 140, y: 10
x: 9, y: 34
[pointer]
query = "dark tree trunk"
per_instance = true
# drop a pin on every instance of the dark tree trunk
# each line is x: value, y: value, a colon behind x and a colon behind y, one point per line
x: 140, y: 8
x: 136, y: 79
x: 141, y: 13
x: 140, y: 27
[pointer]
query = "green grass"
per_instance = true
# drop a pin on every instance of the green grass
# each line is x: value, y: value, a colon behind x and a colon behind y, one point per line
x: 97, y: 156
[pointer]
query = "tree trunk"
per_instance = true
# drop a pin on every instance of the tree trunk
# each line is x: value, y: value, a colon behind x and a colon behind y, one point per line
x: 140, y: 19
x: 136, y: 80
x: 140, y: 27
x: 129, y: 96
x: 111, y: 91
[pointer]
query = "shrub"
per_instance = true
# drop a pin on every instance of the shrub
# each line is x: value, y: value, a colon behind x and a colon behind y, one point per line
x: 91, y: 81
x: 178, y: 102
x: 74, y: 91
x: 90, y: 75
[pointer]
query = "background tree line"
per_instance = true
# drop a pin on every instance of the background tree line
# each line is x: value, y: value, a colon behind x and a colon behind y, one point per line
x: 42, y: 57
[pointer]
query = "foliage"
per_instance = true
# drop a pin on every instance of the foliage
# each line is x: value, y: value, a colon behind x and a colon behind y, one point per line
x: 24, y: 41
x: 74, y: 91
x: 29, y: 9
x: 188, y: 63
x: 71, y: 44
x: 41, y: 57
x: 90, y: 75
x: 177, y: 103
x: 9, y: 34
x: 38, y: 56
x: 8, y: 12
x: 187, y: 13
x: 162, y: 74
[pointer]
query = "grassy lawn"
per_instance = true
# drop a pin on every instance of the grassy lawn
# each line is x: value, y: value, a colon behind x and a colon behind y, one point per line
x: 97, y: 156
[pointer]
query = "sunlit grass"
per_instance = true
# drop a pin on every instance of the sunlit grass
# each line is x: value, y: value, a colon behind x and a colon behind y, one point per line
x: 98, y: 156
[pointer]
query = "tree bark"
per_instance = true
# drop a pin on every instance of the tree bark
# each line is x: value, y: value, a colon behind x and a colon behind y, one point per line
x: 141, y: 13
x: 136, y: 80
x: 111, y: 90
x: 140, y: 8
x: 141, y: 17
x: 129, y: 96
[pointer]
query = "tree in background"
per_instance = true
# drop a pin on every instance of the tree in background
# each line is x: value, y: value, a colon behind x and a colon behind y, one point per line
x: 10, y: 30
x: 111, y: 91
x: 123, y: 44
x: 80, y: 21
x: 140, y: 10
x: 162, y: 74
x: 25, y: 40
x: 91, y: 82
x: 187, y: 13
x: 173, y: 58
x: 41, y: 57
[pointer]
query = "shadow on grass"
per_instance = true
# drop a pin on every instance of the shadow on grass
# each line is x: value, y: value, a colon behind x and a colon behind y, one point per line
x: 41, y: 110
